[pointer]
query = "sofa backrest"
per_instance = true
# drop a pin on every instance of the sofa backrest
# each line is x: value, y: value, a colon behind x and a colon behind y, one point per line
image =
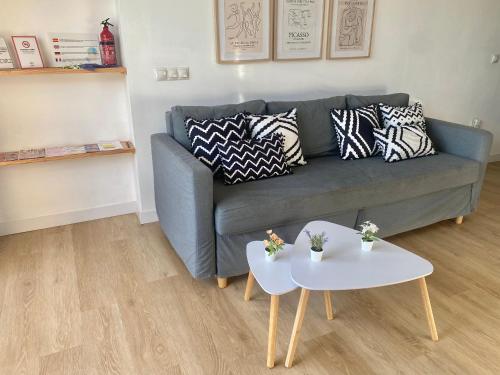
x: 317, y: 135
x: 395, y: 100
x: 179, y: 113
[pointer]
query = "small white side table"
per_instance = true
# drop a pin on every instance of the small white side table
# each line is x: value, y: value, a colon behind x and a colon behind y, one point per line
x: 346, y: 267
x: 275, y: 279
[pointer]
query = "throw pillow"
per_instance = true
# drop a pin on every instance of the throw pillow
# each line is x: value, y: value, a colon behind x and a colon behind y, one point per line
x: 285, y: 123
x: 248, y: 160
x: 354, y: 129
x: 399, y: 116
x: 403, y: 142
x: 205, y: 134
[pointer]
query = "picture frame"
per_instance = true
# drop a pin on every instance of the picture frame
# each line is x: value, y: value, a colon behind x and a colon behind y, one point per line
x: 27, y: 51
x: 298, y: 29
x: 244, y: 31
x: 350, y: 28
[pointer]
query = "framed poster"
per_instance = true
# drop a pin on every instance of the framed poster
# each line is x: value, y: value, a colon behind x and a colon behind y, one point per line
x: 298, y: 29
x: 27, y: 51
x: 243, y: 30
x: 5, y: 60
x: 350, y: 28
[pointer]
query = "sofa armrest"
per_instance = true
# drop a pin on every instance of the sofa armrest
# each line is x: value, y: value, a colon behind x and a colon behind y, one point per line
x: 184, y: 204
x: 464, y: 141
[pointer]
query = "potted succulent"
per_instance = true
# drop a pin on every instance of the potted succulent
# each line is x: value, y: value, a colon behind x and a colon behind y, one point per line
x: 317, y: 241
x: 273, y: 245
x: 368, y: 232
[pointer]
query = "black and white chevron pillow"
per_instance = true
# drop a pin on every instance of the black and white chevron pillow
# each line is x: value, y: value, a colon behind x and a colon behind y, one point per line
x: 412, y: 115
x: 261, y: 126
x: 206, y: 134
x: 403, y: 142
x: 354, y: 129
x: 248, y: 160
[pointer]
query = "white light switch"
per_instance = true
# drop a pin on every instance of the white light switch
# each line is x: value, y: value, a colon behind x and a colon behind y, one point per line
x: 171, y: 74
x: 160, y: 74
x: 183, y: 72
x: 494, y: 59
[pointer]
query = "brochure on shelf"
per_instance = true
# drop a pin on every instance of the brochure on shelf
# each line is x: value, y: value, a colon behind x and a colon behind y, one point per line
x: 110, y: 145
x: 32, y: 153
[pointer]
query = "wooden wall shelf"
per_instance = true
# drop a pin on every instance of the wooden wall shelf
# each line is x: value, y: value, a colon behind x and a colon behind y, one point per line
x: 37, y: 71
x: 128, y: 148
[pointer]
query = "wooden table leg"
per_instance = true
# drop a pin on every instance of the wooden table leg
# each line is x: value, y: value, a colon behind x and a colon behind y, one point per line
x: 297, y: 325
x: 250, y: 282
x: 428, y: 308
x: 273, y: 325
x: 327, y: 296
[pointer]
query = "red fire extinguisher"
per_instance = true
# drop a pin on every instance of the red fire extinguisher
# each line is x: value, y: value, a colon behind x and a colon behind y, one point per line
x: 107, y: 44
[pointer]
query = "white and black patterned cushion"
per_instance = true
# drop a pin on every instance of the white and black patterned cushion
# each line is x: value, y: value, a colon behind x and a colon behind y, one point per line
x: 354, y: 129
x: 248, y: 160
x: 403, y: 142
x: 205, y: 134
x: 412, y: 115
x: 261, y: 126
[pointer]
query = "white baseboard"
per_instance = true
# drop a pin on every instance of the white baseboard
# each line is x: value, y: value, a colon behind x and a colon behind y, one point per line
x: 148, y: 216
x: 64, y: 218
x: 494, y: 158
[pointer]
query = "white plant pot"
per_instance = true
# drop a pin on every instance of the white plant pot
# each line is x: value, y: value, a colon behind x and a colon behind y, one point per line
x: 367, y: 245
x: 316, y: 255
x: 271, y: 258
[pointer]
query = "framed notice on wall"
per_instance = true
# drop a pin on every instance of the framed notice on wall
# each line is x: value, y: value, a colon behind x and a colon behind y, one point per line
x: 350, y: 28
x: 27, y: 51
x: 243, y: 30
x: 298, y: 29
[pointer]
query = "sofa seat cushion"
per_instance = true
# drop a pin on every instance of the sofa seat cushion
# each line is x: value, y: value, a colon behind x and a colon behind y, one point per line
x: 328, y: 185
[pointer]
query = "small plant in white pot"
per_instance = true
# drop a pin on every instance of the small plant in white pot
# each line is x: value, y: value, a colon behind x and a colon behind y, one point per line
x: 273, y: 245
x: 368, y: 235
x: 317, y: 241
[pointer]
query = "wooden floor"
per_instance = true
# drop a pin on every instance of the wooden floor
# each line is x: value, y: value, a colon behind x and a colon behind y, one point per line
x: 111, y: 297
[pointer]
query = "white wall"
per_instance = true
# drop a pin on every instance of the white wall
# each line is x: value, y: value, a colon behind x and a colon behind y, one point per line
x: 52, y: 110
x: 437, y: 51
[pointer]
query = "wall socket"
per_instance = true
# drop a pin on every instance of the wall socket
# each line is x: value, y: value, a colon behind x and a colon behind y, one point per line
x: 476, y: 123
x: 171, y: 74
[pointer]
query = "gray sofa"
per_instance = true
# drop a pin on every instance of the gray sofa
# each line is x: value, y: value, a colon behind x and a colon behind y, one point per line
x: 209, y: 223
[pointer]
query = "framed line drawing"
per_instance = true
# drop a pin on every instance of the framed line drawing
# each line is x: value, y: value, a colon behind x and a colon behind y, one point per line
x: 243, y: 31
x: 298, y: 29
x: 350, y: 24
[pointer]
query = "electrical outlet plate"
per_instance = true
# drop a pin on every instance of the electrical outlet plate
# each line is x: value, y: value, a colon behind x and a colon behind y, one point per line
x: 494, y: 59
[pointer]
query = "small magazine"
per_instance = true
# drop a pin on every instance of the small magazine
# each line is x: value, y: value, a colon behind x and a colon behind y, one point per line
x: 12, y: 155
x: 109, y: 146
x: 71, y: 150
x: 32, y: 153
x: 51, y: 152
x: 94, y: 147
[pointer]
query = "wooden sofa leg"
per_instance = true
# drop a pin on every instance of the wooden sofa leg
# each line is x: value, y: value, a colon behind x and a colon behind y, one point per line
x: 459, y: 220
x: 222, y: 282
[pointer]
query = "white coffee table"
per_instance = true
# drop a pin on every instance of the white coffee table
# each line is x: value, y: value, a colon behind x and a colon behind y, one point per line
x: 274, y: 278
x: 346, y: 267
